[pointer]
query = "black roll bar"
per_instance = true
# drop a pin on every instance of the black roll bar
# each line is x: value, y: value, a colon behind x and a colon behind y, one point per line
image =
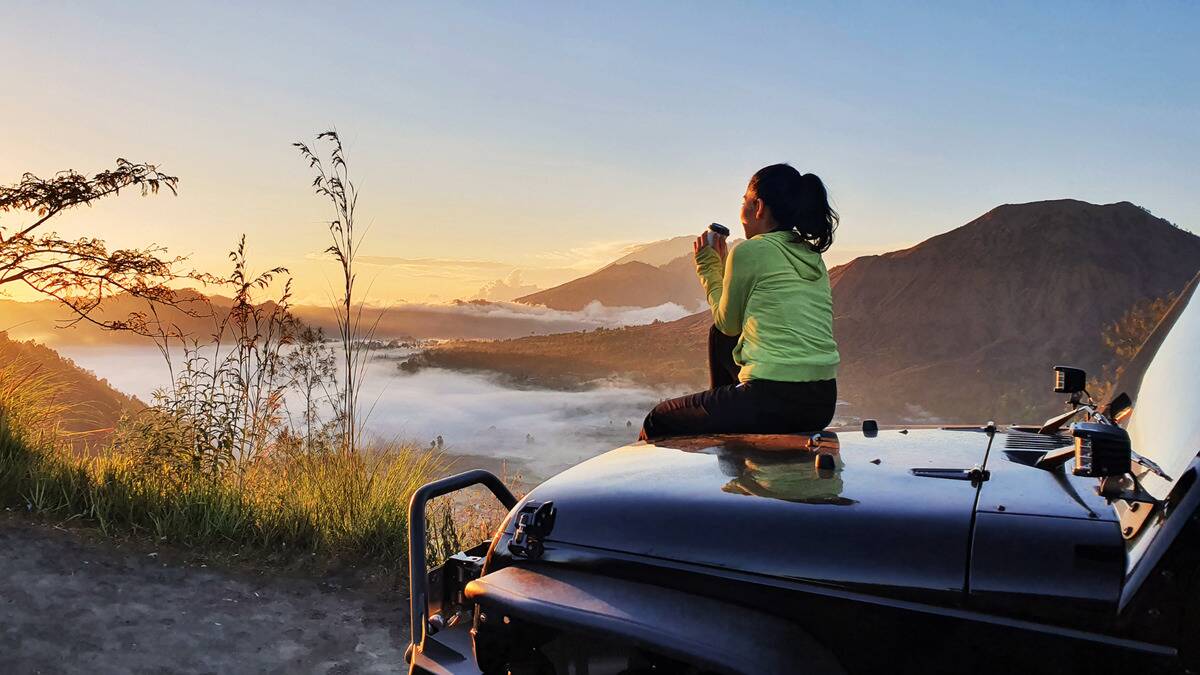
x: 418, y: 582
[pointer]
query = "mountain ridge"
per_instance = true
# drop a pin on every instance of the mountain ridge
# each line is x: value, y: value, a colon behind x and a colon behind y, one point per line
x: 647, y: 277
x: 963, y: 326
x: 628, y: 284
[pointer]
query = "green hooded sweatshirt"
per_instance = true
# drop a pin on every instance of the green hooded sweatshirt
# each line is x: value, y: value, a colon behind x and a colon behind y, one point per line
x: 775, y: 293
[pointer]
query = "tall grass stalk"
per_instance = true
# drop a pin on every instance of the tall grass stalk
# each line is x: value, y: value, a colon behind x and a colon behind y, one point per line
x: 215, y: 462
x: 333, y: 182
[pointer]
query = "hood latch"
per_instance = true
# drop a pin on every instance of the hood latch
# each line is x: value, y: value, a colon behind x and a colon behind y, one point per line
x: 534, y: 523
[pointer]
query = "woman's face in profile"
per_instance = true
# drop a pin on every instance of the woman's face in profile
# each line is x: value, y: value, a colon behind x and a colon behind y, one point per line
x: 753, y: 214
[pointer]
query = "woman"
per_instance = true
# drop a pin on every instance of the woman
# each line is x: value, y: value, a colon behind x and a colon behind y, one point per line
x: 772, y: 359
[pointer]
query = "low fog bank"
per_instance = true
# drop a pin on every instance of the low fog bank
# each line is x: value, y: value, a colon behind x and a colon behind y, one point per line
x: 539, y: 431
x: 476, y: 414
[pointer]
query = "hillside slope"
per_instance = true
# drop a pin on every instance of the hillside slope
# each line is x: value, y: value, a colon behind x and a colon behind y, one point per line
x: 662, y: 353
x: 962, y: 327
x: 95, y: 405
x: 968, y: 324
x: 651, y: 275
x: 629, y: 284
x: 658, y: 253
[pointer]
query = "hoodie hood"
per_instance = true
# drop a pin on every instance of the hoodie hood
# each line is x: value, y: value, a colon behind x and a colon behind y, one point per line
x: 807, y: 262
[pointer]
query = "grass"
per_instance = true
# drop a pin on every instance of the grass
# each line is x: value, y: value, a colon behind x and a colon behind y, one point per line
x: 214, y: 463
x: 352, y: 507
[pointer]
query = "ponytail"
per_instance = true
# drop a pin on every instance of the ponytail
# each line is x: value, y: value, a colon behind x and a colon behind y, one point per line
x: 797, y: 202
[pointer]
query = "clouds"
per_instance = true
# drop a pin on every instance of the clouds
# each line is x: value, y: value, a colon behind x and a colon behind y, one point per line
x: 546, y: 430
x: 508, y: 288
x: 588, y: 257
x: 422, y: 264
x: 478, y: 415
x: 634, y: 316
x: 594, y: 315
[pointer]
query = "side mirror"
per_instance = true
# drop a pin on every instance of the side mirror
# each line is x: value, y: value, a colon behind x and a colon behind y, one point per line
x: 870, y: 428
x: 1068, y: 380
x: 1101, y: 450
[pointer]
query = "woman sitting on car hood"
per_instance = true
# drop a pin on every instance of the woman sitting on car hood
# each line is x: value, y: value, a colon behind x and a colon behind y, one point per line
x: 772, y: 359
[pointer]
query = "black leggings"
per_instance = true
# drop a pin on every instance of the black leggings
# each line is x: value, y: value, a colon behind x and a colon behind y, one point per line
x: 728, y: 407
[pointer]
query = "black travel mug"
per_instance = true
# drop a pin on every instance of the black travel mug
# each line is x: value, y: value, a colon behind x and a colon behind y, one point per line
x: 716, y: 228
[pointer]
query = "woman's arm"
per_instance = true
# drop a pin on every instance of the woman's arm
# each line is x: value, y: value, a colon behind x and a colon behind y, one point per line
x: 727, y: 286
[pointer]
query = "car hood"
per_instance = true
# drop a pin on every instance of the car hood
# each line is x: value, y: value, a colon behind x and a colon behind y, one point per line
x: 764, y: 505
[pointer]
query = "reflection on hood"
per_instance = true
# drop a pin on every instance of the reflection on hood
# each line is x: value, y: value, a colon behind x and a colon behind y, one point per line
x: 792, y: 477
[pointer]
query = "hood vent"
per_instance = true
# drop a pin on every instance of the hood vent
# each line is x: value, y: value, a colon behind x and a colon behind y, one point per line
x: 1022, y: 440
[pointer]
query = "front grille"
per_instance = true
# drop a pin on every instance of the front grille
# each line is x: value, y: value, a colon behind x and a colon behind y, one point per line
x: 1023, y: 440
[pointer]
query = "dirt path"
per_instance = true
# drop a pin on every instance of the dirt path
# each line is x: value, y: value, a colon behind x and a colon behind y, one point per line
x: 72, y: 604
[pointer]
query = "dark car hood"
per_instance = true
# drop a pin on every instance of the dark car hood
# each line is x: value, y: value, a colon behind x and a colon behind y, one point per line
x: 759, y: 504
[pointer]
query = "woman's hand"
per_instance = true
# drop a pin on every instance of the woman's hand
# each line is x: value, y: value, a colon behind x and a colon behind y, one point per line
x: 719, y: 243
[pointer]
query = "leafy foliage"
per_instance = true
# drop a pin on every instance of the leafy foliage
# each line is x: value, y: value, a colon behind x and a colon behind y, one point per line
x: 311, y: 368
x: 81, y: 273
x: 215, y: 461
x: 225, y: 405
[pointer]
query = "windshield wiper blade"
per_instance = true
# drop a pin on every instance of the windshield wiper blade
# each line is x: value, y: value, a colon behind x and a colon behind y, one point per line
x: 1149, y: 464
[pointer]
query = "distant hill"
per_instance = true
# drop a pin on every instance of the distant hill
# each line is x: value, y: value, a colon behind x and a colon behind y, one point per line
x: 961, y: 327
x: 474, y: 319
x: 649, y: 276
x: 46, y: 320
x: 659, y: 253
x: 629, y: 284
x: 670, y: 354
x: 95, y: 405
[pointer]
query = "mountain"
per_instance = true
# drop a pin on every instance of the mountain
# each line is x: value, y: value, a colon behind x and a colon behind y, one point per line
x: 93, y: 404
x: 658, y: 253
x: 971, y: 321
x: 47, y: 320
x: 629, y: 284
x: 648, y: 276
x: 964, y: 326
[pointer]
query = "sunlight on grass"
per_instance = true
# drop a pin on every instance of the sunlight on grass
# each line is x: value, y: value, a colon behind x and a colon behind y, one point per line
x: 348, y: 505
x: 218, y: 461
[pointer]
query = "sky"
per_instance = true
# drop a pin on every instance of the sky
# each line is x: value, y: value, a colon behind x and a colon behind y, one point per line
x: 523, y: 144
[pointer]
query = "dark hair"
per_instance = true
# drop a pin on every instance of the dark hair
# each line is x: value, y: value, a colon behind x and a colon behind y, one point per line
x: 797, y: 202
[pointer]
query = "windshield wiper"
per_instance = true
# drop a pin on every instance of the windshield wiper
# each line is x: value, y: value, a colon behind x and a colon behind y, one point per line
x: 1149, y: 464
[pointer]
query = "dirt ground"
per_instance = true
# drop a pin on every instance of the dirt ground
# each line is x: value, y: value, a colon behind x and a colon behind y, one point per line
x: 71, y: 602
